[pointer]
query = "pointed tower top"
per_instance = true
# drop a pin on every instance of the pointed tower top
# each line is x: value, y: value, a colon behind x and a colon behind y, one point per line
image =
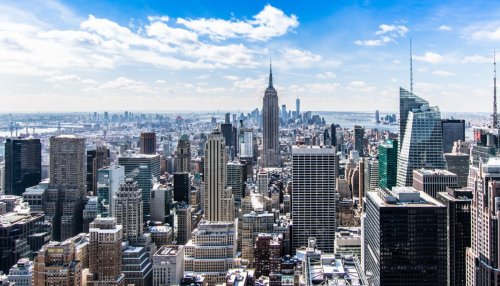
x: 270, y: 74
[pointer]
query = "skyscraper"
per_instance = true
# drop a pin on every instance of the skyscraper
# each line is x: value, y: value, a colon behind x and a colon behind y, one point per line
x: 105, y: 253
x: 313, y: 196
x: 108, y: 182
x: 217, y: 203
x: 432, y: 182
x: 333, y: 134
x: 270, y: 119
x: 297, y: 107
x: 404, y: 238
x: 422, y: 143
x: 183, y: 155
x: 359, y: 141
x: 148, y: 143
x: 68, y: 176
x: 453, y: 130
x: 388, y: 163
x: 23, y: 165
x: 182, y: 187
x: 97, y: 157
x: 128, y: 207
x: 407, y: 102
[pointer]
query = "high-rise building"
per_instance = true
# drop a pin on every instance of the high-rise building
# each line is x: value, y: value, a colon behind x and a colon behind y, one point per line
x: 377, y: 117
x: 482, y: 266
x: 371, y: 174
x: 270, y: 156
x: 182, y: 187
x: 161, y: 203
x: 453, y: 130
x: 313, y: 196
x: 23, y: 165
x: 168, y: 265
x: 404, y: 238
x: 183, y: 155
x: 359, y: 141
x: 432, y: 182
x: 252, y: 224
x: 57, y: 264
x: 137, y: 265
x: 97, y: 157
x: 388, y: 164
x: 236, y: 179
x: 128, y: 206
x: 219, y: 203
x: 67, y: 187
x: 105, y: 253
x: 407, y: 102
x: 148, y: 143
x: 333, y: 134
x: 144, y: 169
x: 184, y: 223
x: 422, y: 144
x: 458, y: 214
x: 297, y: 107
x: 458, y: 162
x: 211, y: 251
x: 108, y: 182
x: 22, y: 273
x: 267, y: 254
x: 246, y: 147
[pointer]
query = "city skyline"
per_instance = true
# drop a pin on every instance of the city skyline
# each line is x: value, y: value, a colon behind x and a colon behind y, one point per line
x: 94, y: 55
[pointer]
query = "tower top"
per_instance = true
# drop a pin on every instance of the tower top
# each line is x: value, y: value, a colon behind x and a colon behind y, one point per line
x: 270, y: 74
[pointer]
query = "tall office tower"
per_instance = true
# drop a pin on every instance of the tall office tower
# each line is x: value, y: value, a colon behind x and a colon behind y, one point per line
x: 284, y: 113
x: 128, y: 206
x: 388, y: 164
x: 227, y: 132
x: 17, y: 228
x: 23, y: 165
x: 137, y: 266
x: 407, y: 102
x: 183, y: 155
x: 97, y: 157
x: 297, y: 107
x: 148, y: 143
x: 377, y: 117
x: 68, y: 177
x: 2, y: 179
x: 218, y: 204
x: 359, y: 184
x: 333, y: 134
x: 105, y: 253
x: 22, y: 273
x: 458, y: 214
x: 313, y: 196
x: 143, y: 169
x: 182, y: 187
x: 184, y: 223
x: 57, y: 264
x: 404, y: 239
x: 482, y: 257
x: 453, y: 130
x: 371, y: 174
x: 252, y: 224
x: 458, y: 163
x: 246, y: 147
x: 267, y: 254
x: 432, y: 182
x: 262, y: 182
x: 211, y: 251
x: 422, y: 145
x: 270, y: 156
x: 161, y: 203
x: 90, y: 212
x: 359, y: 141
x: 236, y: 179
x: 108, y: 183
x: 168, y: 265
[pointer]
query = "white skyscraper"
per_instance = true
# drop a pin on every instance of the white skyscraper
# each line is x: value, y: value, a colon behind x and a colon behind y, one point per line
x: 128, y: 209
x: 313, y: 196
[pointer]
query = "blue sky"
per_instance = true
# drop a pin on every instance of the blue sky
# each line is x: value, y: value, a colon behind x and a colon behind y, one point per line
x: 206, y: 55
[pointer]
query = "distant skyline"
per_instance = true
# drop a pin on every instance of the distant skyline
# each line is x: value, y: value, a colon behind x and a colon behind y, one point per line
x: 208, y: 55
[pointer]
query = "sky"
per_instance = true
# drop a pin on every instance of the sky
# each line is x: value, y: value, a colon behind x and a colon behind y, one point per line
x: 98, y: 55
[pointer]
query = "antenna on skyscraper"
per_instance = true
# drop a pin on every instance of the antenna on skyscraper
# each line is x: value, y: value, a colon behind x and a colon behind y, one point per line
x: 411, y: 69
x: 495, y: 114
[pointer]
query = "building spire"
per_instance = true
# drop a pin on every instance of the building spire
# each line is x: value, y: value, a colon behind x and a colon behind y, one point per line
x: 411, y: 69
x: 495, y: 114
x: 270, y: 74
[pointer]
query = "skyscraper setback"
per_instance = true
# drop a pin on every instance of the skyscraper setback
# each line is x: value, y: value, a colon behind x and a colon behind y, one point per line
x: 270, y: 120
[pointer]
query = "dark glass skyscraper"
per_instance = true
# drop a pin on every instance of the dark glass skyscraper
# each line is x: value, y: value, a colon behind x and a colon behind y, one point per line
x: 388, y: 164
x: 359, y: 133
x: 270, y: 113
x: 23, y: 165
x: 407, y: 102
x: 453, y: 130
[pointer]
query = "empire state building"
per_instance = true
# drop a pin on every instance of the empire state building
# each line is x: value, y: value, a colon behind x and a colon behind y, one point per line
x: 270, y: 156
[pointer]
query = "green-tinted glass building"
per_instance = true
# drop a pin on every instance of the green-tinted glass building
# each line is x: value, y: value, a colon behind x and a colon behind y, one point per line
x: 388, y: 163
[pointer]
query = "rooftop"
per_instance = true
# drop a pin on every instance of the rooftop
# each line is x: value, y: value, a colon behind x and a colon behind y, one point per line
x: 169, y: 250
x: 403, y: 197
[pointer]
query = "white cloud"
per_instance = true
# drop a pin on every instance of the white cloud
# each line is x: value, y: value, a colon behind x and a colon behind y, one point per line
x: 268, y: 23
x: 70, y: 78
x: 386, y: 34
x: 321, y: 87
x: 299, y: 58
x: 483, y: 31
x: 442, y: 73
x: 124, y: 84
x: 160, y: 81
x: 430, y: 57
x: 231, y: 77
x: 359, y: 85
x: 250, y: 83
x: 444, y: 28
x: 326, y: 75
x: 158, y: 18
x: 476, y: 59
